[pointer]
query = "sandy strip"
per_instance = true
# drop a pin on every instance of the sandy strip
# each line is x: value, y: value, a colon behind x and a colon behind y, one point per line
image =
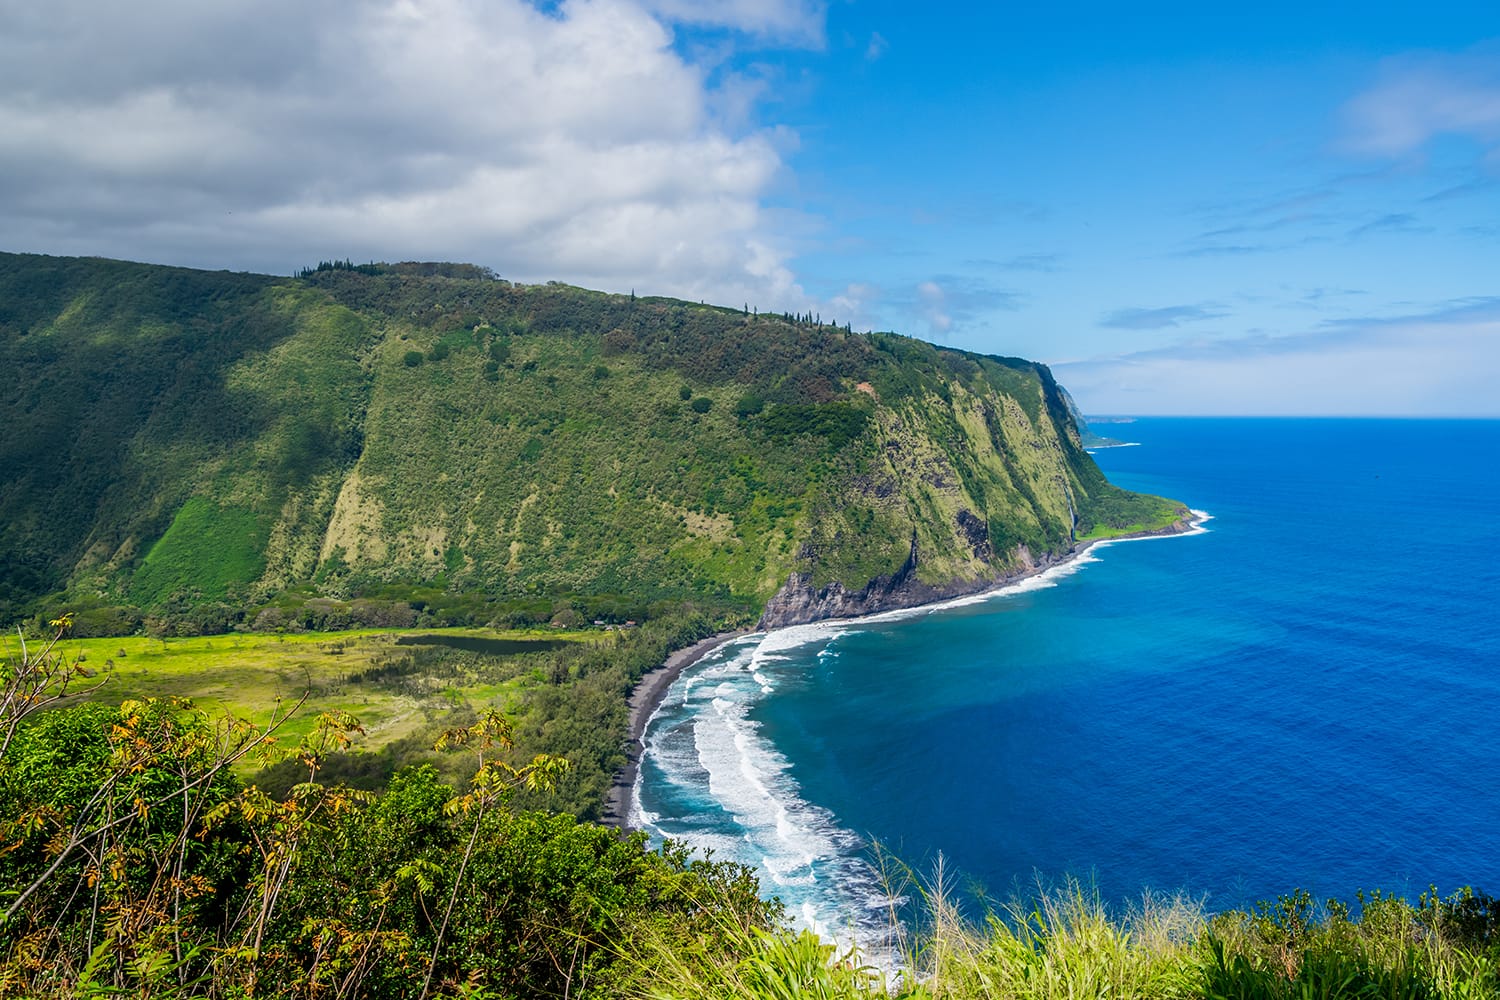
x: 644, y: 699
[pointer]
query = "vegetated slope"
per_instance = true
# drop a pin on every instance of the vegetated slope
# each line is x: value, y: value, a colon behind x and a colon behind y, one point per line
x: 176, y: 438
x: 169, y: 434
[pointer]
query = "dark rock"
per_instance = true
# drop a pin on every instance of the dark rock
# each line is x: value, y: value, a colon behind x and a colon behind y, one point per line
x: 798, y: 602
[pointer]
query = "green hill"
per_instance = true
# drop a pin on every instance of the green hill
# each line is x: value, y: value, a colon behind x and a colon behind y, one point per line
x: 201, y: 447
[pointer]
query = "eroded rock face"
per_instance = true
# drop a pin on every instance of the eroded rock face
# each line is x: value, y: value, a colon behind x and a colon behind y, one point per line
x: 977, y: 531
x: 798, y: 602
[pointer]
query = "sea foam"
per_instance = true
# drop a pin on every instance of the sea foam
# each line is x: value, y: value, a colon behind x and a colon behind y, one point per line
x: 704, y: 752
x: 717, y: 784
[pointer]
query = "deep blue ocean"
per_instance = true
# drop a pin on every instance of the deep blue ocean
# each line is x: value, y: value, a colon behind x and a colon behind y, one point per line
x: 1304, y: 695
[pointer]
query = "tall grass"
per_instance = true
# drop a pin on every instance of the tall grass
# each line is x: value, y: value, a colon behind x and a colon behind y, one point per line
x: 1064, y: 943
x: 134, y: 863
x: 1061, y: 942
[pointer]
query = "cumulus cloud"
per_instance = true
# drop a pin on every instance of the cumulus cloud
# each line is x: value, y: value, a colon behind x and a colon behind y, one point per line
x: 1442, y: 362
x: 576, y: 142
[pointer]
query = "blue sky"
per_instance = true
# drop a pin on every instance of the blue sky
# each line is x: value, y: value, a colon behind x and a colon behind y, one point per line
x: 1276, y: 210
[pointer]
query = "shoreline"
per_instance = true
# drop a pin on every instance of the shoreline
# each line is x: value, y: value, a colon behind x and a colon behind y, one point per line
x: 643, y: 701
x: 1190, y: 525
x: 651, y: 689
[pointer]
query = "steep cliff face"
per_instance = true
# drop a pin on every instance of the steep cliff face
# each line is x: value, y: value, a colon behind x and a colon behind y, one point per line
x: 986, y: 476
x: 801, y: 601
x: 183, y: 437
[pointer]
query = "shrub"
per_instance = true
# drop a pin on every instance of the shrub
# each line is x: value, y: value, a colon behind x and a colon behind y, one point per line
x: 840, y: 423
x: 412, y: 358
x: 749, y: 405
x: 702, y: 404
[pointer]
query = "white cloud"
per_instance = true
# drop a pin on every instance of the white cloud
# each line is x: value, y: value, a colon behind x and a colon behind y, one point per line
x: 1441, y: 363
x: 853, y: 305
x: 1420, y: 98
x: 934, y: 305
x: 576, y: 144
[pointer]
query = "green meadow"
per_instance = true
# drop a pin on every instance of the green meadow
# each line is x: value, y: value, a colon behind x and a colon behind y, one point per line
x: 395, y: 682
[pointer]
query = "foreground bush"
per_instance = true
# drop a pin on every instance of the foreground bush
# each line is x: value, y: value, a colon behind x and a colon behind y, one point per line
x: 133, y: 862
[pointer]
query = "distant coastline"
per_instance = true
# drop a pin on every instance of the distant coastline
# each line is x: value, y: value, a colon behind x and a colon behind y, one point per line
x: 651, y: 689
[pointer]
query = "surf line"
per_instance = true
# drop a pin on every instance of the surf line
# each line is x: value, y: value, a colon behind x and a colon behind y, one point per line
x: 645, y: 700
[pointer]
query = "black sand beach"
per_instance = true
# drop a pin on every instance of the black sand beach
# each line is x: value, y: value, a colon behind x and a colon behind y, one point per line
x: 644, y: 697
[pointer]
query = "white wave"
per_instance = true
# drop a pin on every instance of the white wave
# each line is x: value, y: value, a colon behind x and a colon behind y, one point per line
x: 784, y: 836
x: 667, y: 740
x: 778, y: 644
x: 742, y: 770
x: 785, y: 872
x: 1195, y: 527
x: 736, y: 653
x: 702, y: 740
x: 1039, y: 581
x: 733, y: 655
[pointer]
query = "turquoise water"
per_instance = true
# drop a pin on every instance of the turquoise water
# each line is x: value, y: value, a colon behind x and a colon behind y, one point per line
x: 1304, y: 695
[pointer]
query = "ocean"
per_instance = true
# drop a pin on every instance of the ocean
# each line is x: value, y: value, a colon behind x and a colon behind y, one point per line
x: 1305, y: 694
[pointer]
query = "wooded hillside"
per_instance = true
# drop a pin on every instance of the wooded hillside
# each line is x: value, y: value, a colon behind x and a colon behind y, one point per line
x: 199, y: 448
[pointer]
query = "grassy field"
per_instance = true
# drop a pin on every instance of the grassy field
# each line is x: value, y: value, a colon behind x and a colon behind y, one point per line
x: 391, y: 680
x: 1166, y: 517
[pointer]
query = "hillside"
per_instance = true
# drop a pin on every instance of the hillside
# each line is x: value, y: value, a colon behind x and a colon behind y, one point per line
x: 198, y: 449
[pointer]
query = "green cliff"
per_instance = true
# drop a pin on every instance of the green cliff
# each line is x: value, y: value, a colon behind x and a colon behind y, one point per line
x: 181, y: 438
